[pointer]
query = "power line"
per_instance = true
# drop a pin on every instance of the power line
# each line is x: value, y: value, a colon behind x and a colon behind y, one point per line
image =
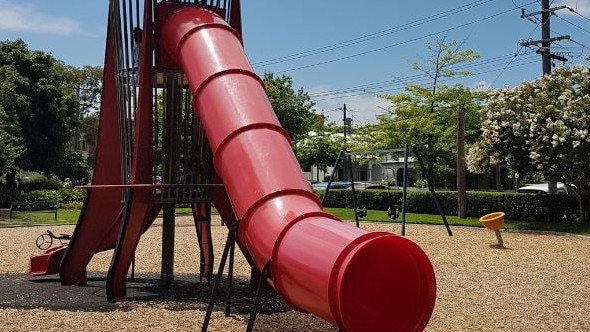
x: 486, y: 66
x: 568, y: 21
x: 576, y: 12
x: 364, y: 89
x: 371, y: 36
x: 396, y: 44
x: 544, y: 44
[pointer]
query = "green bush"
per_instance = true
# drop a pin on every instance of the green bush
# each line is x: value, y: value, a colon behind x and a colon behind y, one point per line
x: 71, y: 206
x: 66, y: 198
x: 39, y: 182
x: 522, y: 207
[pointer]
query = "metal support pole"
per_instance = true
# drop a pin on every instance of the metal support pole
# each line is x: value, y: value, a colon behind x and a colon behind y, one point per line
x: 168, y: 229
x: 353, y: 191
x: 404, y: 190
x: 229, y: 246
x: 265, y: 273
x: 432, y: 193
x: 342, y: 153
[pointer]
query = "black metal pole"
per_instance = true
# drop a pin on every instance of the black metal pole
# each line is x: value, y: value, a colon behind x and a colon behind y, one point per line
x: 340, y: 154
x: 404, y: 190
x: 432, y: 193
x: 354, y: 202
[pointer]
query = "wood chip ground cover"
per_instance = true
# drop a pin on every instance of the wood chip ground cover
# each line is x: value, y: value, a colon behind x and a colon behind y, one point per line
x: 539, y: 282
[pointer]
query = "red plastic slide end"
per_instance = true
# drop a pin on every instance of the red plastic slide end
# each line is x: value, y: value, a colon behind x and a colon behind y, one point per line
x: 386, y: 283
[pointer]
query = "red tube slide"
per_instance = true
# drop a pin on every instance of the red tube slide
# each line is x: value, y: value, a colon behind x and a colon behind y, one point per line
x: 359, y: 281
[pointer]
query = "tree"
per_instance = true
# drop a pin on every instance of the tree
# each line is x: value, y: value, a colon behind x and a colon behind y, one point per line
x: 86, y: 83
x: 11, y: 144
x: 424, y: 115
x: 45, y: 114
x: 83, y: 85
x: 319, y: 148
x: 293, y: 109
x: 541, y: 126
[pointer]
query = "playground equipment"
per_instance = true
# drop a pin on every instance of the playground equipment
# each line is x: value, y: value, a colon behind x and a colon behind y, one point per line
x: 45, y: 241
x: 394, y: 210
x: 494, y: 221
x: 201, y: 118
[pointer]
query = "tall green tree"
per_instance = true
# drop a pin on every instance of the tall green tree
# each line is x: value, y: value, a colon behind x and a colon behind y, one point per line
x: 424, y: 116
x: 294, y: 109
x: 11, y: 143
x: 45, y: 114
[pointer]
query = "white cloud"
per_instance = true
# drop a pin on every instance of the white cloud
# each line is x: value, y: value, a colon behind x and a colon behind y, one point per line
x: 28, y: 18
x: 361, y: 108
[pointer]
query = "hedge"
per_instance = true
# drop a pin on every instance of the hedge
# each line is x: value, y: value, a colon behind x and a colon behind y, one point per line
x: 66, y: 198
x: 522, y: 207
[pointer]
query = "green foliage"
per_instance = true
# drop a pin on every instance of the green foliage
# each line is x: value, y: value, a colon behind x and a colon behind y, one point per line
x: 37, y: 181
x: 319, y: 148
x: 11, y: 143
x: 71, y: 205
x: 84, y: 85
x: 41, y: 195
x: 36, y: 106
x: 424, y: 116
x: 294, y: 110
x: 74, y: 166
x: 371, y: 199
x: 66, y: 198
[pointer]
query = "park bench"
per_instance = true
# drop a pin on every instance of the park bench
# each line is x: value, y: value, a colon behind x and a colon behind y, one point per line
x: 33, y: 206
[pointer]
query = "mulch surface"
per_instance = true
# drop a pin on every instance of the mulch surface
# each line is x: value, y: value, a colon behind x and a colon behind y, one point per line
x: 539, y: 282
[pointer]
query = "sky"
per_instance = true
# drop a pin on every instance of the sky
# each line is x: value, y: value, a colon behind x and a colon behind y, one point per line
x: 341, y: 52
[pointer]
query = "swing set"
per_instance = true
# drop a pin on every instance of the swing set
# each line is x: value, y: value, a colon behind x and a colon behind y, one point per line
x: 345, y: 157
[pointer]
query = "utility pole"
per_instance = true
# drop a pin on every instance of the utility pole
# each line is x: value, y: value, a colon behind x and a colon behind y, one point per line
x: 461, y: 187
x: 544, y: 47
x: 544, y: 44
x: 347, y: 122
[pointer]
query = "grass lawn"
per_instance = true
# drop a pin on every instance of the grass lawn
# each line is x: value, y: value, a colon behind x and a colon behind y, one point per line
x: 71, y: 217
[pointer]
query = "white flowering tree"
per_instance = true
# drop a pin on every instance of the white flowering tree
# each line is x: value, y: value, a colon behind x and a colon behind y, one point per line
x: 541, y: 127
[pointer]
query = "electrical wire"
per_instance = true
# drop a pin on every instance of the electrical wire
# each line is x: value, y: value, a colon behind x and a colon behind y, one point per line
x: 396, y: 44
x: 372, y: 36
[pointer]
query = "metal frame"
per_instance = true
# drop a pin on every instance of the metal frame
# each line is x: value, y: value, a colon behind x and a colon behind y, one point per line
x: 347, y: 159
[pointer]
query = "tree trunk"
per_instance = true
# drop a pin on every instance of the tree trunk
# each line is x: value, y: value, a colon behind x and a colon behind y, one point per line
x: 582, y: 215
x: 461, y: 187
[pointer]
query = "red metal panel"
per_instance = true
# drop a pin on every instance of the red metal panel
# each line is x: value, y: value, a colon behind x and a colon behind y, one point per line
x: 98, y: 223
x: 202, y: 218
x: 46, y: 263
x: 141, y: 211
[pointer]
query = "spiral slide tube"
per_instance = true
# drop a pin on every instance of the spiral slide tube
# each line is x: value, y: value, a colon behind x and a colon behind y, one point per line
x: 357, y: 280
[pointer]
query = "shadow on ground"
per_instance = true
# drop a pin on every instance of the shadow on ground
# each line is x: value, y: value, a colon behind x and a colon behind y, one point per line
x: 184, y: 293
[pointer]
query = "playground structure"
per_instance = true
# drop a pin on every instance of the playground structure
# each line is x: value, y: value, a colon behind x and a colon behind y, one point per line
x: 45, y: 241
x: 180, y: 99
x: 394, y: 210
x: 494, y: 222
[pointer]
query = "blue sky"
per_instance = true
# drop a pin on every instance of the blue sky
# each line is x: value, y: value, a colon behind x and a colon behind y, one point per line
x: 341, y: 52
